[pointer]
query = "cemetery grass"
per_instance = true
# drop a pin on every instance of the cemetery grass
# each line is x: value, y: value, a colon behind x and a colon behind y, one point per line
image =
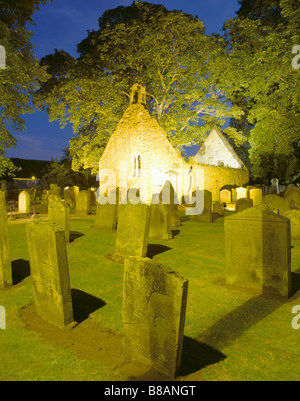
x: 230, y: 334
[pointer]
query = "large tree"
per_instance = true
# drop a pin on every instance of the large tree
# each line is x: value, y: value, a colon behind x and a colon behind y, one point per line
x: 166, y: 51
x: 20, y: 79
x: 264, y: 83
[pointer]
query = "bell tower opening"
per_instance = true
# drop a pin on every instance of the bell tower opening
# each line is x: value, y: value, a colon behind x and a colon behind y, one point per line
x: 138, y: 95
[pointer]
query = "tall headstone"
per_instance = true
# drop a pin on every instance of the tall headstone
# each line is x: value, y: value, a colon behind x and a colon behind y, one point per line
x: 59, y: 213
x: 5, y: 262
x: 217, y: 208
x: 205, y: 206
x: 258, y: 251
x: 69, y: 197
x: 274, y: 186
x: 24, y: 202
x: 153, y: 314
x: 294, y: 216
x: 256, y: 195
x: 169, y: 197
x: 292, y: 195
x: 160, y: 221
x: 50, y: 272
x: 243, y: 204
x: 132, y: 232
x: 107, y: 213
x: 83, y: 203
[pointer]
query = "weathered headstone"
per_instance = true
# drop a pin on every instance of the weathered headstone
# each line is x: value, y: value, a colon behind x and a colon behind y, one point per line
x: 169, y: 197
x: 54, y: 190
x: 83, y: 203
x: 153, y: 314
x: 160, y: 221
x: 59, y: 213
x: 69, y: 197
x: 24, y: 202
x: 241, y: 193
x: 243, y: 204
x: 5, y: 262
x: 294, y: 216
x: 217, y: 208
x: 256, y: 195
x: 205, y: 209
x: 93, y: 196
x: 107, y: 213
x: 50, y: 272
x: 292, y: 194
x: 132, y: 232
x: 276, y: 203
x: 225, y: 196
x: 258, y: 251
x: 274, y: 186
x: 233, y: 195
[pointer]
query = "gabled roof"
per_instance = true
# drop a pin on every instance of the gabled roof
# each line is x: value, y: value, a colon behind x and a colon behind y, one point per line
x: 216, y: 146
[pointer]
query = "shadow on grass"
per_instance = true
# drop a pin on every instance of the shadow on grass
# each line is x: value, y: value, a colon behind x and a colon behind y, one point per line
x: 197, y: 355
x: 234, y: 324
x: 295, y: 283
x: 74, y: 235
x: 175, y: 232
x: 155, y: 249
x: 84, y: 304
x: 20, y: 270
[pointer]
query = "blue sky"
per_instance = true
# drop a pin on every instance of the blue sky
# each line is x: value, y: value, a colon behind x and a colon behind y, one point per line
x: 62, y: 25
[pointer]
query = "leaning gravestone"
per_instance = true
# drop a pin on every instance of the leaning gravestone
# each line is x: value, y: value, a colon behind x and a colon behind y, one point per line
x: 59, y: 213
x: 243, y: 204
x: 50, y: 272
x: 160, y: 221
x: 132, y: 232
x: 169, y: 197
x: 276, y: 203
x: 294, y: 216
x: 83, y: 203
x: 292, y: 195
x: 258, y: 251
x: 24, y: 202
x: 256, y: 195
x: 69, y: 197
x: 153, y: 314
x: 203, y: 211
x: 5, y: 262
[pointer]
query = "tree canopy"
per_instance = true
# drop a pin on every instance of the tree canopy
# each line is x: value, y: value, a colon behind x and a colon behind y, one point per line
x: 165, y: 51
x: 20, y: 79
x: 264, y: 84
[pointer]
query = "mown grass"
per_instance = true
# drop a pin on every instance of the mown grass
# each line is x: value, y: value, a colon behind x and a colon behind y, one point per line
x: 243, y: 336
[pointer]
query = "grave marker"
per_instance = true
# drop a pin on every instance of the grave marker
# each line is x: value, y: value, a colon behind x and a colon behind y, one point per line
x: 5, y: 262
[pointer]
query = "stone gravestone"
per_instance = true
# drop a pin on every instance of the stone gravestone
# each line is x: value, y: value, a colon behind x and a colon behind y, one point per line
x: 83, y: 203
x: 241, y: 192
x: 276, y: 203
x: 292, y: 195
x: 153, y: 314
x: 160, y: 221
x: 243, y: 204
x: 69, y: 197
x: 294, y: 216
x: 169, y: 197
x: 132, y: 232
x: 256, y: 195
x: 5, y: 262
x: 54, y: 190
x: 59, y: 213
x: 24, y: 202
x: 225, y: 196
x: 206, y: 214
x: 107, y: 213
x: 217, y: 208
x: 258, y: 251
x: 50, y: 272
x: 274, y: 186
x: 233, y: 195
x: 43, y: 207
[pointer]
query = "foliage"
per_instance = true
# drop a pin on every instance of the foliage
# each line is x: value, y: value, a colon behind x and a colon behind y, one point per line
x: 19, y: 80
x: 262, y: 78
x: 166, y: 51
x: 61, y: 173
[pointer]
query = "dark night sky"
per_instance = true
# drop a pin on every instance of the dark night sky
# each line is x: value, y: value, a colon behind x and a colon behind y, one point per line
x: 62, y: 25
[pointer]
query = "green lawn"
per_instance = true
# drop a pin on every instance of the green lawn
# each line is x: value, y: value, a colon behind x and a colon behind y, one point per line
x: 230, y: 334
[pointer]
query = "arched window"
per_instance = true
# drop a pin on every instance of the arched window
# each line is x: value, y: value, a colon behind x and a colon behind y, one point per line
x: 137, y: 165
